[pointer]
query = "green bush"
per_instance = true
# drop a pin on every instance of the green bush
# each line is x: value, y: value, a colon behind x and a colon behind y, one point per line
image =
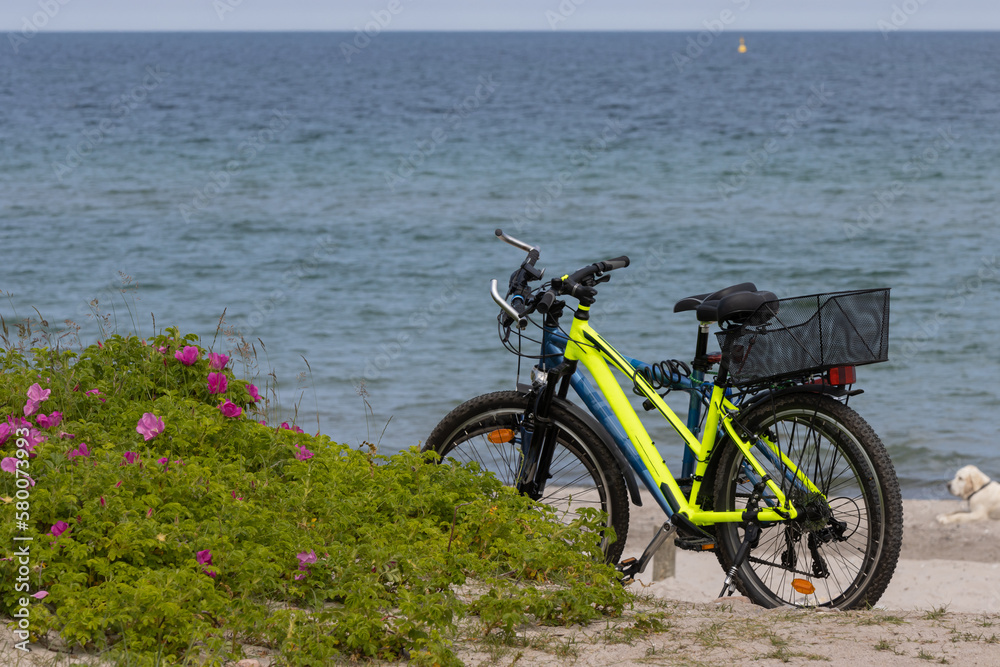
x: 219, y: 530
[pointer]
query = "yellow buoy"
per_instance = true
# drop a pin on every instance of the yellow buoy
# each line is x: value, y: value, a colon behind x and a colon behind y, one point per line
x: 743, y: 46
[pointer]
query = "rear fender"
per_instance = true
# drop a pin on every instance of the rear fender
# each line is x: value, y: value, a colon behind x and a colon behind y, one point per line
x: 828, y: 389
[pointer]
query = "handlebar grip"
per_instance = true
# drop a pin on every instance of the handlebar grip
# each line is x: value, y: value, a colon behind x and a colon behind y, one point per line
x: 616, y: 263
x: 546, y: 301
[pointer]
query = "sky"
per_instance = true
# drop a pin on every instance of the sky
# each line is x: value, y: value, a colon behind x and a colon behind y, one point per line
x: 543, y: 15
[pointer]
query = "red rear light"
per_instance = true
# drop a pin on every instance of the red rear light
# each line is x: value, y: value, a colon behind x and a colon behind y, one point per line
x: 841, y: 375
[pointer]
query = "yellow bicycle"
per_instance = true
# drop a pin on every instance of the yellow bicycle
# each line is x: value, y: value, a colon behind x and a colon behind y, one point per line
x: 787, y: 485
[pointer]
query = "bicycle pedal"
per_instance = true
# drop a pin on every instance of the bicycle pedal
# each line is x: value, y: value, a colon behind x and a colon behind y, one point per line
x: 628, y: 567
x: 695, y: 543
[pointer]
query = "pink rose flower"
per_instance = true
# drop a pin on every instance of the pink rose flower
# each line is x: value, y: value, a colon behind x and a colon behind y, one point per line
x: 34, y: 438
x: 303, y: 454
x: 97, y: 393
x: 40, y: 595
x: 82, y: 450
x: 205, y: 558
x: 131, y: 457
x: 217, y: 383
x: 49, y: 421
x: 36, y: 395
x: 217, y: 361
x: 161, y: 349
x: 306, y: 558
x: 149, y: 426
x: 9, y: 464
x: 287, y: 427
x: 254, y: 394
x: 188, y: 355
x: 59, y: 528
x: 4, y: 432
x: 230, y: 409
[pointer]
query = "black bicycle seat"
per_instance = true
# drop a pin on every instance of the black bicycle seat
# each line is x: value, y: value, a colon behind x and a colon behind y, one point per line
x: 733, y: 304
x: 692, y: 302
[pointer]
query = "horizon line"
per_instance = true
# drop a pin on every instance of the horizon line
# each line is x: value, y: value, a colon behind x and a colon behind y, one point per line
x: 490, y: 30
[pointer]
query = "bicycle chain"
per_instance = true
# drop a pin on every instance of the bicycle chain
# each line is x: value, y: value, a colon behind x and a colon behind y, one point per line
x: 754, y: 559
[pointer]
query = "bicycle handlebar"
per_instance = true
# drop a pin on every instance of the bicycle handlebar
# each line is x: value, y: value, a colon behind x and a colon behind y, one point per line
x: 526, y: 247
x: 616, y: 263
x: 578, y: 285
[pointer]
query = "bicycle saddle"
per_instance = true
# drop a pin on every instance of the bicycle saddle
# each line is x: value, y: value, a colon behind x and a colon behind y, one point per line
x: 733, y: 304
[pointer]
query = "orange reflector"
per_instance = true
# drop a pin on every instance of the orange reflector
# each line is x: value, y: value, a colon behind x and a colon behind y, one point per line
x: 501, y: 435
x: 707, y: 547
x: 803, y: 586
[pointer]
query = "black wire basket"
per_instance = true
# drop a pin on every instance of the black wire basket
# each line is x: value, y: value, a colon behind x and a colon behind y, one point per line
x: 805, y: 335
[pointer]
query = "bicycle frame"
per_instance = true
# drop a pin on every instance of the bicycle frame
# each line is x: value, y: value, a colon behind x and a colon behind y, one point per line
x: 610, y: 406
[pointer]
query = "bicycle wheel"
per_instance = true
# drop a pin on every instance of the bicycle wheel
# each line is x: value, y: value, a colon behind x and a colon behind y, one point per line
x: 842, y: 549
x: 583, y: 472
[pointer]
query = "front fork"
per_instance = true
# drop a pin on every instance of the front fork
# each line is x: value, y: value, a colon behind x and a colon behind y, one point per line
x: 538, y: 433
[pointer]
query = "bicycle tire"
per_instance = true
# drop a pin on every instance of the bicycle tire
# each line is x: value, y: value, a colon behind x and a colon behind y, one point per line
x: 846, y: 460
x: 583, y: 471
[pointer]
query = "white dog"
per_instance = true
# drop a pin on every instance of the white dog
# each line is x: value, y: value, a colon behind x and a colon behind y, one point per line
x: 983, y: 494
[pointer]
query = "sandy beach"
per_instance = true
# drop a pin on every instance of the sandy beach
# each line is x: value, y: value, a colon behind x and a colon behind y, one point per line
x: 955, y: 565
x: 942, y: 606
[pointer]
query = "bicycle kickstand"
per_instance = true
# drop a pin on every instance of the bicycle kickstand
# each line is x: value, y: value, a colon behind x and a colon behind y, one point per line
x: 631, y: 567
x: 750, y: 536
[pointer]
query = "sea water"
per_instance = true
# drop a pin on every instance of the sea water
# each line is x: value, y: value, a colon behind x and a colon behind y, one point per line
x: 338, y: 204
